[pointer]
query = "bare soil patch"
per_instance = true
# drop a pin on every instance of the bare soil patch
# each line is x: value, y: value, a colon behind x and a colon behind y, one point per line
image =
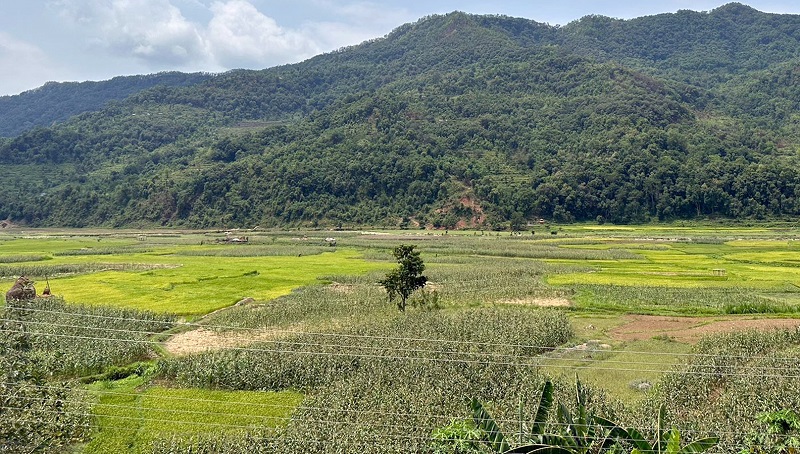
x: 201, y: 339
x: 433, y: 286
x: 342, y: 288
x: 691, y: 329
x: 540, y: 302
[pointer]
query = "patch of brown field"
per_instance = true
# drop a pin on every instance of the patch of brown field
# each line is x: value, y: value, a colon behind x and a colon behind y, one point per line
x: 433, y: 286
x: 691, y: 329
x: 342, y: 288
x: 540, y: 302
x: 201, y: 339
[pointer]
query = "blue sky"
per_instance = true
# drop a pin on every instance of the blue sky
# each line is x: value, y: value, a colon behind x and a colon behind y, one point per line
x: 77, y: 40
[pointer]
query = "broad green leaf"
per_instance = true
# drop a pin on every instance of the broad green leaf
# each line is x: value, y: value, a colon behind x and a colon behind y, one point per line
x: 543, y: 409
x: 483, y: 420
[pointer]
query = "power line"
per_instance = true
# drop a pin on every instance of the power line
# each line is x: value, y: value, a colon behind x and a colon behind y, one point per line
x: 311, y: 344
x: 361, y: 423
x: 395, y: 338
x: 543, y: 356
x: 536, y: 363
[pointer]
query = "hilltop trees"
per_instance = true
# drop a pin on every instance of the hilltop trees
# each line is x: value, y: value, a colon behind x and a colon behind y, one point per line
x: 455, y: 120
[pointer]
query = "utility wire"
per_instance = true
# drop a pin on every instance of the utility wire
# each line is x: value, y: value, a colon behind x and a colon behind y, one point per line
x: 143, y: 419
x: 543, y: 356
x: 395, y: 338
x: 536, y: 361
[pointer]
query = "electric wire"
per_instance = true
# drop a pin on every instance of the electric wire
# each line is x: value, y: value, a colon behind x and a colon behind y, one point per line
x: 372, y: 425
x: 536, y: 362
x: 540, y: 356
x: 343, y: 346
x: 405, y: 339
x: 396, y: 338
x: 350, y: 346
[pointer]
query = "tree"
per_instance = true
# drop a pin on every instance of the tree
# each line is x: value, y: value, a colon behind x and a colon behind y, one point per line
x: 406, y: 278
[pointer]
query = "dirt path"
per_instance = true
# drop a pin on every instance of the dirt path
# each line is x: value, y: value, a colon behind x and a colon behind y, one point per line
x: 691, y: 329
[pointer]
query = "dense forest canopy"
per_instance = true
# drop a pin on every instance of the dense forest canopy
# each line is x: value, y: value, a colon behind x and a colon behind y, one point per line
x: 452, y: 121
x: 55, y: 102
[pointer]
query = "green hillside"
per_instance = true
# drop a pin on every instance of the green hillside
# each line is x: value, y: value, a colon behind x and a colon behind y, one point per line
x: 57, y: 101
x: 451, y: 121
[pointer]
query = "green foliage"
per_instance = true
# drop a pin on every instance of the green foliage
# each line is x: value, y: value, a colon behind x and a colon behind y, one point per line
x: 158, y: 419
x: 255, y: 442
x: 458, y: 437
x: 782, y: 434
x: 40, y: 270
x: 407, y: 277
x: 71, y: 340
x: 36, y: 415
x: 387, y: 381
x: 423, y: 128
x: 760, y: 307
x: 491, y: 433
x: 667, y: 441
x: 581, y: 432
x: 22, y: 258
x: 716, y: 390
x: 57, y: 101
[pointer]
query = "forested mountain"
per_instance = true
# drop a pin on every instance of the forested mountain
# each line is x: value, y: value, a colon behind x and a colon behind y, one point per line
x: 450, y: 121
x: 56, y: 101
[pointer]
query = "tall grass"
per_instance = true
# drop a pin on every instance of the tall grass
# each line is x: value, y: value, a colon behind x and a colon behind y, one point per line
x: 493, y: 247
x: 351, y: 299
x: 59, y: 269
x: 257, y: 251
x: 733, y: 378
x: 113, y: 250
x: 23, y: 258
x: 385, y: 386
x: 688, y: 301
x: 70, y: 340
x: 185, y: 419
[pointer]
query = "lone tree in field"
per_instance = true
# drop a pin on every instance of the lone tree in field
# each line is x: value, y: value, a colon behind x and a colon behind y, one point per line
x: 406, y: 278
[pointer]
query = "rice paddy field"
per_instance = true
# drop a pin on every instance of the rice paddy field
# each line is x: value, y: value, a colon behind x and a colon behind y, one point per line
x: 183, y: 341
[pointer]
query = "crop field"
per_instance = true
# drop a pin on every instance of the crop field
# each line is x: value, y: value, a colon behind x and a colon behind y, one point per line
x: 181, y: 279
x: 169, y: 341
x: 132, y: 420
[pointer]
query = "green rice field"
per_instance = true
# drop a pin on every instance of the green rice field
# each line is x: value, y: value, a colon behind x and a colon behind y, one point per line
x: 144, y: 328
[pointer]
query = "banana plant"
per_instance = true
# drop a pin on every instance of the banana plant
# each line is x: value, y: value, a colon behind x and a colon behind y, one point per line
x: 666, y: 442
x: 582, y: 432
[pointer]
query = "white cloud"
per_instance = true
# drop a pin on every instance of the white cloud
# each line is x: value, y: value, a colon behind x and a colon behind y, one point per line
x: 356, y: 22
x: 153, y: 31
x: 25, y: 66
x: 240, y: 36
x: 130, y: 36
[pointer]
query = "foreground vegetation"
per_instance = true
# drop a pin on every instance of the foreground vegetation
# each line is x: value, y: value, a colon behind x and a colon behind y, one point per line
x: 334, y: 366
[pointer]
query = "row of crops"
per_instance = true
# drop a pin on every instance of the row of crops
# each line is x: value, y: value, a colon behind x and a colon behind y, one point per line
x: 334, y: 368
x: 44, y: 345
x: 387, y: 386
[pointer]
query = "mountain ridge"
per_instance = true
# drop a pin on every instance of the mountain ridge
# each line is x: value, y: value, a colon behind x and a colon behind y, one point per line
x: 519, y: 118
